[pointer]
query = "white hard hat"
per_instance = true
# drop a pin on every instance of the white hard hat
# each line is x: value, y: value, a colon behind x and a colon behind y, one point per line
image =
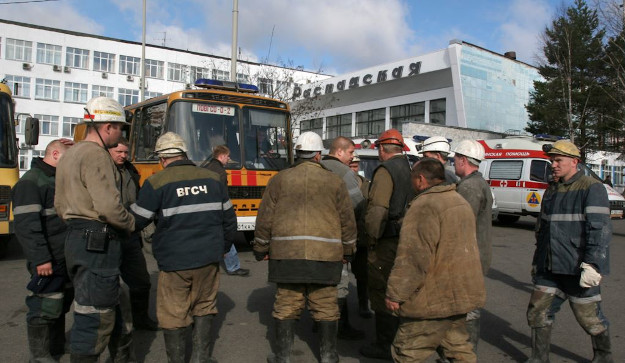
x: 170, y: 144
x: 435, y: 144
x: 104, y: 109
x: 471, y: 149
x: 309, y: 141
x: 355, y: 158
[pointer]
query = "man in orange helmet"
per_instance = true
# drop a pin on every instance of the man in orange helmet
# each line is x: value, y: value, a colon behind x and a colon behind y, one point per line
x: 389, y: 196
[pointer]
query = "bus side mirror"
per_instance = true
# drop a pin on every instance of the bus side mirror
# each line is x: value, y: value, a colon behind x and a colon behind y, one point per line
x: 31, y: 131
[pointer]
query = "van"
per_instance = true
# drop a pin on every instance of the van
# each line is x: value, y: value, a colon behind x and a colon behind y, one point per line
x: 519, y: 172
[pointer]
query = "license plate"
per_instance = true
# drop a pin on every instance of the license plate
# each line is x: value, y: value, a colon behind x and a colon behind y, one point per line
x: 246, y: 226
x: 213, y: 109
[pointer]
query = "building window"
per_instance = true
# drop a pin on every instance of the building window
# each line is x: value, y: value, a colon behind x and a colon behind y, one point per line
x: 198, y: 73
x: 76, y: 92
x: 152, y: 94
x: 49, y: 54
x: 103, y: 62
x: 265, y: 86
x: 127, y: 96
x: 21, y: 121
x: 176, y: 72
x: 369, y: 123
x: 19, y: 50
x: 20, y: 86
x: 154, y: 68
x: 97, y: 91
x: 437, y: 111
x: 414, y: 112
x: 129, y: 65
x: 221, y: 75
x: 77, y: 58
x: 69, y: 124
x: 339, y: 125
x: 243, y: 78
x: 48, y: 125
x: 314, y: 125
x: 47, y: 89
x: 24, y: 165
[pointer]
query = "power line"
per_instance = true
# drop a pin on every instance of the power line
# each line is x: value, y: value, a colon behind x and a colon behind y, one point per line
x: 26, y: 2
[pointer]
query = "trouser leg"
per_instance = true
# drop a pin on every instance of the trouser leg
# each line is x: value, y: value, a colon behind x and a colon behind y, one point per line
x: 202, y: 339
x: 385, y: 329
x: 473, y: 328
x: 44, y: 312
x: 591, y: 318
x: 345, y: 330
x: 544, y: 303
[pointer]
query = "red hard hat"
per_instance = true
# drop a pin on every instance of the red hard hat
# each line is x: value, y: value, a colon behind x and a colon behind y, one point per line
x: 390, y: 136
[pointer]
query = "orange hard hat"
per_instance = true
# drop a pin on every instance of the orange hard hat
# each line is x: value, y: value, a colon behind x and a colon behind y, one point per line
x: 390, y: 136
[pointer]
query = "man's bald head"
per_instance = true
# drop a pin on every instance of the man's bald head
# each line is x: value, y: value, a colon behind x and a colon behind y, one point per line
x: 54, y: 151
x: 342, y: 148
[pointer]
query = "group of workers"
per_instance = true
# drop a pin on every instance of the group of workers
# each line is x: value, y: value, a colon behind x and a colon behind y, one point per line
x: 418, y: 239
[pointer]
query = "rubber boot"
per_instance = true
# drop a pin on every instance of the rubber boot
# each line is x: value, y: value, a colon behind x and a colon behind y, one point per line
x: 284, y: 341
x: 541, y: 340
x: 202, y: 339
x: 346, y: 331
x: 39, y: 343
x: 602, y: 348
x: 140, y: 303
x: 363, y: 301
x: 57, y: 337
x: 473, y: 328
x: 385, y: 328
x: 78, y: 358
x: 121, y: 348
x: 175, y: 344
x: 327, y: 342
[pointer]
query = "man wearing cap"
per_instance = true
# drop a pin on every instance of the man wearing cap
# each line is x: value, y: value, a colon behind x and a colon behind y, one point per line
x: 88, y: 200
x: 389, y: 196
x: 437, y: 147
x: 337, y: 161
x: 475, y: 190
x: 573, y: 234
x: 306, y: 229
x: 195, y: 224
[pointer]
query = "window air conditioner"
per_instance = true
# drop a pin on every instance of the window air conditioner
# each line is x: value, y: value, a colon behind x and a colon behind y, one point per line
x: 105, y: 75
x: 56, y: 68
x: 130, y: 78
x: 67, y: 69
x: 27, y: 66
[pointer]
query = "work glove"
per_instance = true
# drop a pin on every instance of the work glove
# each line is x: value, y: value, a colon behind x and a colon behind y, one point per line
x: 590, y: 277
x: 260, y: 255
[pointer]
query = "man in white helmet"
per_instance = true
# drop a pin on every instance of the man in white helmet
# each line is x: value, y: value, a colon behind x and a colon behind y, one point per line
x: 195, y: 226
x: 88, y: 200
x: 475, y: 190
x: 437, y: 147
x: 306, y: 229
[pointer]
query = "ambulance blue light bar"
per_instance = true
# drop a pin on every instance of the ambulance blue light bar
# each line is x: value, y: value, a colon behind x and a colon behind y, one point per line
x: 421, y: 138
x: 226, y: 85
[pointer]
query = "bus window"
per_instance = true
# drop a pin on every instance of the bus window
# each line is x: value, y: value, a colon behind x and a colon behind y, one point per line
x: 149, y: 128
x: 265, y: 139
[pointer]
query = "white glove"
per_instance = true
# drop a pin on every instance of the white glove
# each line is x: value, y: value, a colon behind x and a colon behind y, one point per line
x: 590, y: 276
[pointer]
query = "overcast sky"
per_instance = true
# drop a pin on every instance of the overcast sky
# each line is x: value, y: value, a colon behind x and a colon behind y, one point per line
x: 334, y: 36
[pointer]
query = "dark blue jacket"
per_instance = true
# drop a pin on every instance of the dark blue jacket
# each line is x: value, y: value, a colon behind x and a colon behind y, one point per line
x: 573, y: 227
x: 195, y: 220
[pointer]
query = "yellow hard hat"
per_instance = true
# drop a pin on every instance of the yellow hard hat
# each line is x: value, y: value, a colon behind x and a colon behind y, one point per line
x: 563, y: 147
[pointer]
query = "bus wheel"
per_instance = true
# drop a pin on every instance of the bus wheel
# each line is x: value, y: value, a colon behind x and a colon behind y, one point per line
x: 508, y: 218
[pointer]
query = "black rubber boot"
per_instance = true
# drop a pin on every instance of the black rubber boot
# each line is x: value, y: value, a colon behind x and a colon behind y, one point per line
x: 602, y: 348
x: 39, y: 344
x: 363, y: 301
x: 140, y: 303
x: 78, y: 358
x: 175, y: 344
x: 202, y: 339
x: 385, y: 328
x: 284, y: 341
x: 57, y: 337
x: 346, y: 331
x: 327, y: 342
x: 473, y: 328
x: 121, y: 349
x: 541, y: 341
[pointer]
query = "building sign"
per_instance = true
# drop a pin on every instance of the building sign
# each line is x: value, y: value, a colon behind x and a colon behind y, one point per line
x: 356, y: 81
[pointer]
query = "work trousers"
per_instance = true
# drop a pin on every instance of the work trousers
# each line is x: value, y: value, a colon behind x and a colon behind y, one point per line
x: 134, y: 270
x: 181, y: 295
x: 552, y: 290
x: 417, y: 339
x: 380, y: 263
x: 95, y: 276
x: 291, y: 300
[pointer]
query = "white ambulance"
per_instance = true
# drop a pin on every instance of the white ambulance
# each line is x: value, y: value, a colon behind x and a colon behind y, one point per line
x: 519, y: 171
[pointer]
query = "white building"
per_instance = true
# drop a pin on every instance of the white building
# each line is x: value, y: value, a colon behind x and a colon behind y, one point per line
x: 54, y: 72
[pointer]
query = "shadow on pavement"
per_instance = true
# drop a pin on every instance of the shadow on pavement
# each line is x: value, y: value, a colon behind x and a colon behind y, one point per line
x: 509, y: 280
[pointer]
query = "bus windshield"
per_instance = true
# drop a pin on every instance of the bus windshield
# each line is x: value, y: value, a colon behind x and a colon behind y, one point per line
x: 8, y: 148
x: 256, y: 137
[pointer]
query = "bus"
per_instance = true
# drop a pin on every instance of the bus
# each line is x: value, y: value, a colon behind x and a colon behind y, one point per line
x: 9, y: 169
x: 256, y: 129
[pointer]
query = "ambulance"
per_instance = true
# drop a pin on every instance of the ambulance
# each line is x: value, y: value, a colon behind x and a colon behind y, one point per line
x: 519, y: 172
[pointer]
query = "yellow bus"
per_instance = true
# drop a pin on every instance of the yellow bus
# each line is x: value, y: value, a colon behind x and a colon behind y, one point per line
x: 9, y: 169
x: 256, y: 129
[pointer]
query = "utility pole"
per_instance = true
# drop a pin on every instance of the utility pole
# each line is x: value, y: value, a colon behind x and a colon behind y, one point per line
x: 235, y: 26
